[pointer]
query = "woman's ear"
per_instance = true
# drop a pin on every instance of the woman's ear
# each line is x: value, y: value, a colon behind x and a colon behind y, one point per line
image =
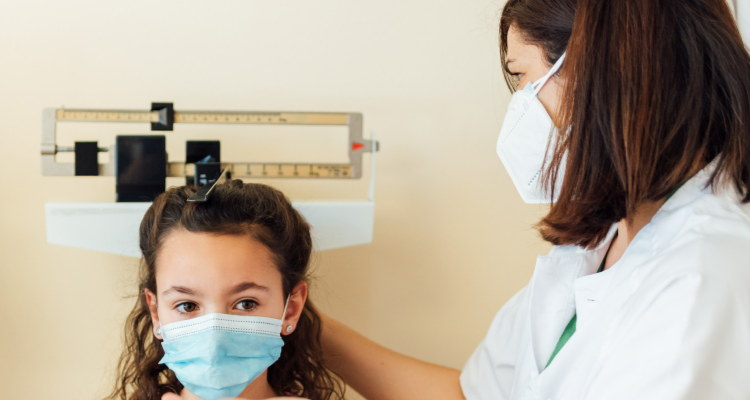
x: 151, y: 301
x: 294, y: 308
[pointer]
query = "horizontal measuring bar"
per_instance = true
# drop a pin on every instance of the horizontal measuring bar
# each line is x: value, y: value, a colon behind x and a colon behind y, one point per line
x: 205, y: 117
x: 107, y: 116
x: 261, y: 118
x: 272, y: 170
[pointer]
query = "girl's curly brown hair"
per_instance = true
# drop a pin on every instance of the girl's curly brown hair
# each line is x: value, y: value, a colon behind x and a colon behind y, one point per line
x: 235, y: 208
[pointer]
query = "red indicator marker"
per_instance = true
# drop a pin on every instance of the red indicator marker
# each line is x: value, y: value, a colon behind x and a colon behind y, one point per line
x: 357, y: 146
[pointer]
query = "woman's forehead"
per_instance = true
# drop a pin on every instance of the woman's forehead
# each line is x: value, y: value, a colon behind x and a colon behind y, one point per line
x: 522, y: 54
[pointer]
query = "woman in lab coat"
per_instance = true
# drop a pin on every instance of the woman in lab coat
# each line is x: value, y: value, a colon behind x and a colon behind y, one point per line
x: 645, y: 105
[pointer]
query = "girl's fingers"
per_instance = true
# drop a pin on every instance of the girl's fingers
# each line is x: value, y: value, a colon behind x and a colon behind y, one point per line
x: 173, y: 396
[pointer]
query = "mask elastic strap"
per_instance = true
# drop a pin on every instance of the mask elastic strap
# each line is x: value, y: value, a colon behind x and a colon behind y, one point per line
x: 283, y: 315
x: 543, y: 80
x: 158, y: 330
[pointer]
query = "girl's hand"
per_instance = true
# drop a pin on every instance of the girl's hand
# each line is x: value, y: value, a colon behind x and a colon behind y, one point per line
x: 173, y: 396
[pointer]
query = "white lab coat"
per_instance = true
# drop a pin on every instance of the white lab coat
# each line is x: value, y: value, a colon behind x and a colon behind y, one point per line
x: 741, y: 9
x: 670, y: 320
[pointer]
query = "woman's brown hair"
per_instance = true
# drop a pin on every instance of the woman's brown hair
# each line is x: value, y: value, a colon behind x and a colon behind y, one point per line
x: 235, y: 208
x: 544, y: 23
x: 653, y: 90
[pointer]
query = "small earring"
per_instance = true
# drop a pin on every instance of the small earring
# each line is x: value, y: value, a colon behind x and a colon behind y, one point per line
x: 288, y: 329
x: 158, y: 331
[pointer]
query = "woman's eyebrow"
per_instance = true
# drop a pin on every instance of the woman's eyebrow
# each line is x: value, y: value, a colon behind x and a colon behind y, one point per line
x: 180, y: 289
x: 241, y: 287
x: 507, y: 65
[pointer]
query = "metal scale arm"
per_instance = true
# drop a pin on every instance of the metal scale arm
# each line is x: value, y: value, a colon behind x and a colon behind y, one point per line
x: 162, y: 117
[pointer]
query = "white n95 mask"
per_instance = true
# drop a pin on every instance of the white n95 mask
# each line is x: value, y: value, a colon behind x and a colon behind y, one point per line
x: 524, y: 137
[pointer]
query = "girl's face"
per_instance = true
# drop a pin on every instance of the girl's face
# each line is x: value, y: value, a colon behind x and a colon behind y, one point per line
x: 203, y: 273
x: 527, y: 63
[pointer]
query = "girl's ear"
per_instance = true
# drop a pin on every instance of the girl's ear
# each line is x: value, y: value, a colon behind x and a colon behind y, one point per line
x: 294, y: 308
x: 151, y: 301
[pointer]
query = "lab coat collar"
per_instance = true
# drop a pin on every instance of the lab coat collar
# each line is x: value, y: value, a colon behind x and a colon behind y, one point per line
x: 588, y: 294
x: 608, y: 290
x: 565, y: 282
x: 553, y: 294
x: 690, y: 191
x: 591, y: 290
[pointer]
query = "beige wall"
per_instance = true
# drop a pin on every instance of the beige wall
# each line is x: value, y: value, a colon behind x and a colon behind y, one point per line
x: 453, y: 241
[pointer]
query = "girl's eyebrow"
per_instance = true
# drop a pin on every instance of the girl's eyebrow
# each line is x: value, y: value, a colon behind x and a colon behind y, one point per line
x: 180, y: 289
x: 241, y: 287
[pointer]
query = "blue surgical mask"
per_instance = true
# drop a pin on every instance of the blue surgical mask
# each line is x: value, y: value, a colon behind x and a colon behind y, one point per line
x: 217, y: 355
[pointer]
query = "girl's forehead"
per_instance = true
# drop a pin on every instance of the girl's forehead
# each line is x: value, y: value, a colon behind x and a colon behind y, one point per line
x: 215, y: 261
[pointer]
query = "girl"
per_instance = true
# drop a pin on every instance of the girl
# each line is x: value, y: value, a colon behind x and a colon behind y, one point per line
x: 223, y: 289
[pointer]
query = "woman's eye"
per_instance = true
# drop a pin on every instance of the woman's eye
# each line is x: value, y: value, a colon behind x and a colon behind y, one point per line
x: 247, y: 305
x: 187, y: 307
x: 517, y: 77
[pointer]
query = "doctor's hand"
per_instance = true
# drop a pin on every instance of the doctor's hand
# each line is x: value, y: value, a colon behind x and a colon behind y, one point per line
x: 173, y: 396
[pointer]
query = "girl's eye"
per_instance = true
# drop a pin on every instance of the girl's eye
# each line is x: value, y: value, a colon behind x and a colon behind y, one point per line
x: 186, y: 307
x: 517, y: 77
x: 247, y: 305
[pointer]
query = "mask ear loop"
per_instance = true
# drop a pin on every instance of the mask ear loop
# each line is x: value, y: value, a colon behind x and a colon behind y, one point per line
x: 543, y: 80
x: 158, y: 330
x: 283, y: 315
